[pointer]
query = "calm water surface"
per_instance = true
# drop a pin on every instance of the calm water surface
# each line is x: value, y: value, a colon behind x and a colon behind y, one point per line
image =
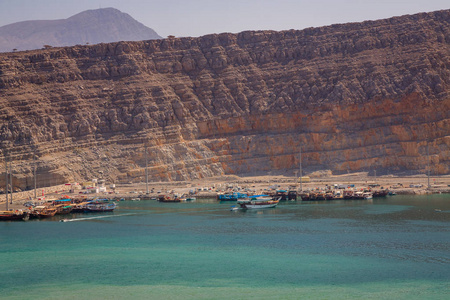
x: 394, y: 248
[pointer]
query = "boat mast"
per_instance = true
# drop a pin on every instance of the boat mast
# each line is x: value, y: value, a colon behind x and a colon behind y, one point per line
x: 301, y: 175
x: 428, y: 166
x: 296, y: 178
x: 146, y: 170
x: 6, y: 180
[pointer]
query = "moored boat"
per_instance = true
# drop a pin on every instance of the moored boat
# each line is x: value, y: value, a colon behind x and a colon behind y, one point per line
x: 362, y: 195
x: 317, y: 196
x: 99, y: 207
x: 63, y: 206
x: 348, y: 194
x: 329, y: 195
x: 304, y: 196
x: 338, y: 195
x: 230, y: 196
x: 280, y: 194
x: 168, y: 198
x: 63, y: 209
x: 257, y: 202
x: 292, y: 195
x: 367, y: 195
x: 42, y: 212
x: 10, y: 215
x: 380, y: 193
x: 226, y: 197
x: 78, y: 207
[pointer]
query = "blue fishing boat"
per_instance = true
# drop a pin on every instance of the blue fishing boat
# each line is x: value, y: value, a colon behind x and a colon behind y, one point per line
x: 230, y: 196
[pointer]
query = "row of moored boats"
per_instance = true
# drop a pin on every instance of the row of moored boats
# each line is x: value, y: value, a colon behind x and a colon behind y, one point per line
x: 314, y: 195
x: 244, y: 201
x: 57, y: 207
x: 343, y: 194
x: 267, y: 201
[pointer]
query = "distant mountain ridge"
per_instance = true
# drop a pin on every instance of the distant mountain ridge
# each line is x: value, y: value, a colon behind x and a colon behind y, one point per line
x: 91, y: 26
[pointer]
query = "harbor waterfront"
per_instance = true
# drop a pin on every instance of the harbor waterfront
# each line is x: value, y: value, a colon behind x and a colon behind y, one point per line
x: 386, y: 248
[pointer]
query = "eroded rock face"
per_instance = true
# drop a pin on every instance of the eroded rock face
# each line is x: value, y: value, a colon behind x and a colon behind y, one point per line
x: 354, y: 97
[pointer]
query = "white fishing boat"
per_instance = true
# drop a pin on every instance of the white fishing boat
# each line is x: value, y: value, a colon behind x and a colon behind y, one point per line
x: 99, y: 207
x: 368, y: 195
x: 258, y: 202
x: 362, y: 195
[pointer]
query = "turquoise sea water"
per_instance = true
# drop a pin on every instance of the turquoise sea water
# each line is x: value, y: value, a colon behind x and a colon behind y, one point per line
x: 393, y: 248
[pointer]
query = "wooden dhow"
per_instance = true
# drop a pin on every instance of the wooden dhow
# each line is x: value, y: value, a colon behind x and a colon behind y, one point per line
x: 9, y: 215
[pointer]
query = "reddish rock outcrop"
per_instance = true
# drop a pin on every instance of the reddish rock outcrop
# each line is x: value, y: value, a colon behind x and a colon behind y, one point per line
x: 354, y: 97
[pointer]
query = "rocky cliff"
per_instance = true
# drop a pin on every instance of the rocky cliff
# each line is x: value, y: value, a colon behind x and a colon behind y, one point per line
x: 372, y: 96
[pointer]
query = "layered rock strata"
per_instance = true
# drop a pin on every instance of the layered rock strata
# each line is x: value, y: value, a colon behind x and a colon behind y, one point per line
x: 371, y: 96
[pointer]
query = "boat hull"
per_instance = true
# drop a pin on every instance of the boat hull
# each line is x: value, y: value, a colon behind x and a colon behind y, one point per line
x: 258, y: 206
x: 87, y: 210
x: 43, y: 214
x: 381, y: 193
x: 258, y: 203
x: 99, y: 207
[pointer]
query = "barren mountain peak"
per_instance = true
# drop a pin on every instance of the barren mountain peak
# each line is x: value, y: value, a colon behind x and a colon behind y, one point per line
x: 91, y: 26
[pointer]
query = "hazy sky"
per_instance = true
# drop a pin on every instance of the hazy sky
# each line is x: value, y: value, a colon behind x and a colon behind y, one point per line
x: 200, y: 17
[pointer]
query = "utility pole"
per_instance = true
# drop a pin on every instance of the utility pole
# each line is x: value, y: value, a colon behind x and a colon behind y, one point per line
x: 428, y: 166
x: 34, y: 171
x: 6, y: 180
x: 146, y: 170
